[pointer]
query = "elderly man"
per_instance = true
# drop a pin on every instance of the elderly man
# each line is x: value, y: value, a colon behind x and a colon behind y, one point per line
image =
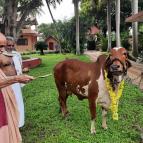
x: 17, y: 65
x: 9, y: 115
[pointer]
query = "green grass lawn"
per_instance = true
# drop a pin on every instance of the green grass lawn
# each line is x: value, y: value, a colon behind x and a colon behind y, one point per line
x: 44, y: 124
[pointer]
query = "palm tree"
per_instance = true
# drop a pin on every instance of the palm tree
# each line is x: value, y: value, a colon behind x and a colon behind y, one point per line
x: 109, y: 23
x: 135, y: 28
x: 98, y: 4
x: 54, y: 21
x: 118, y: 42
x: 9, y: 18
x: 76, y: 9
x: 24, y: 8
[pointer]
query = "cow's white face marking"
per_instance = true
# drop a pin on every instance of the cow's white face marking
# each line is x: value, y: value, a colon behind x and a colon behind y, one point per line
x: 117, y: 48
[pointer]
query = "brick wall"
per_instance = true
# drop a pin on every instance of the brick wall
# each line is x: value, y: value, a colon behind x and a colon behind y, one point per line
x: 31, y: 63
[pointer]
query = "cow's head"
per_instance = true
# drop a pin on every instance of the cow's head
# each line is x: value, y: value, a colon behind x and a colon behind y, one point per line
x: 117, y: 64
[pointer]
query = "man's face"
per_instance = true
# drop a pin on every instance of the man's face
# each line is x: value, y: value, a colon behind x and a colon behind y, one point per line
x: 10, y: 46
x: 2, y: 45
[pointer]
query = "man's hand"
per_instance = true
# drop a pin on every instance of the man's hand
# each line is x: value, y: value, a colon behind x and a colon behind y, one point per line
x: 24, y: 78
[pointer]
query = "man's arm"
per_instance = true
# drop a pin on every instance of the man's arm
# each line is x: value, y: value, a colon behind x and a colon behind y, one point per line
x: 15, y: 79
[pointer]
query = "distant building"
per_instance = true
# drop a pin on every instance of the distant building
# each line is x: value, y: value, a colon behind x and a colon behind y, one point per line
x: 26, y: 40
x: 93, y: 30
x: 28, y: 37
x: 138, y: 17
x: 53, y: 44
x: 91, y: 37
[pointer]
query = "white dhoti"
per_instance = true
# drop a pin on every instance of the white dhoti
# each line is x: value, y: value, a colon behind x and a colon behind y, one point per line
x: 17, y: 88
x: 19, y: 99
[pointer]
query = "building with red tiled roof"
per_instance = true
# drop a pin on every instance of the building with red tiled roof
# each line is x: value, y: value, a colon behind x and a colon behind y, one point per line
x: 93, y: 30
x: 27, y: 40
x: 52, y: 42
x: 91, y: 37
x: 136, y: 17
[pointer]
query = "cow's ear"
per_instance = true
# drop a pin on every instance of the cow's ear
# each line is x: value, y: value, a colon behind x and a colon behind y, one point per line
x: 128, y: 63
x: 108, y: 61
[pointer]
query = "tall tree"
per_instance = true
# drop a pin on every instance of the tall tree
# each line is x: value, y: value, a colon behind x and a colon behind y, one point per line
x: 76, y: 9
x: 109, y: 23
x: 118, y: 42
x: 135, y: 28
x: 10, y: 16
x: 98, y: 4
x: 20, y: 9
x: 54, y: 21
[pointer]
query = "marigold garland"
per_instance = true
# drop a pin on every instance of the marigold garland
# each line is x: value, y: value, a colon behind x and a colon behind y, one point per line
x: 114, y: 96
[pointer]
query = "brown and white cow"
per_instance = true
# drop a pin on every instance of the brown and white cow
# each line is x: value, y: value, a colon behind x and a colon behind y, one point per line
x: 86, y: 81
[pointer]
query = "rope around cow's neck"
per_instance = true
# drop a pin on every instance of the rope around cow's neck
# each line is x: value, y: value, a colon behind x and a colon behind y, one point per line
x: 114, y: 96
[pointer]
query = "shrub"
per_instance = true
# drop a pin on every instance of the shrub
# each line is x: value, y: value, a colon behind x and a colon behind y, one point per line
x: 104, y: 43
x: 125, y: 40
x: 140, y: 38
x: 41, y: 45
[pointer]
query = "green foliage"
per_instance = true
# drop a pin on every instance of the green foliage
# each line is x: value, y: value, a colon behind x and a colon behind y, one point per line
x: 125, y: 40
x: 140, y: 38
x: 41, y: 45
x: 141, y: 27
x: 44, y: 123
x: 85, y: 6
x: 47, y: 30
x: 25, y: 57
x: 29, y: 53
x: 102, y: 42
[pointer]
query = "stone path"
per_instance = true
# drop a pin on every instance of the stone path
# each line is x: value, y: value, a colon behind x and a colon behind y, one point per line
x: 134, y: 73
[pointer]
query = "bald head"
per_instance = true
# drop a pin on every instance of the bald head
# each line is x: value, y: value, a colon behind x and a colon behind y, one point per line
x: 3, y: 42
x: 2, y: 39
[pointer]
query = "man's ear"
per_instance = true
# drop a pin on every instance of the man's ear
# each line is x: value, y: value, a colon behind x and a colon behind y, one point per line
x: 128, y: 63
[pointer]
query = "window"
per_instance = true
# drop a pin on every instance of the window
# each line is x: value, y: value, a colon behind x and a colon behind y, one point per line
x: 22, y: 41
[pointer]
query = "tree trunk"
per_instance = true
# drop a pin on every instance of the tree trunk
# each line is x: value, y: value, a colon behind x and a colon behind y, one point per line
x: 41, y: 52
x: 10, y: 15
x: 118, y: 42
x: 135, y: 28
x: 109, y: 23
x: 21, y: 22
x: 54, y: 25
x: 77, y: 26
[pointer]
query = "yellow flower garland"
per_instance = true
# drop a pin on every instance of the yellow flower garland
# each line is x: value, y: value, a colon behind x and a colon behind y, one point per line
x: 114, y: 96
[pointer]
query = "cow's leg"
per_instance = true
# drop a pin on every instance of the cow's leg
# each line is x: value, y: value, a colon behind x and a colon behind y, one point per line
x: 92, y: 108
x: 104, y: 113
x: 62, y: 97
x: 62, y: 101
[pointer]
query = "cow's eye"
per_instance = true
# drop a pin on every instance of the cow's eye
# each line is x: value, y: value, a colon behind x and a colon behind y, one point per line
x: 125, y: 54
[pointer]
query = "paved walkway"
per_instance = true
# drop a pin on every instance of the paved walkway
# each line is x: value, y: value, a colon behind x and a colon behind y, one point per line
x: 134, y: 73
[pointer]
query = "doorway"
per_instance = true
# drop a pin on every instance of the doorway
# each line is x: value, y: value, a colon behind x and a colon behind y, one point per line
x: 51, y: 46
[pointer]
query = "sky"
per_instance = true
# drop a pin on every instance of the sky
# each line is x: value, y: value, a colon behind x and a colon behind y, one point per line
x: 63, y: 11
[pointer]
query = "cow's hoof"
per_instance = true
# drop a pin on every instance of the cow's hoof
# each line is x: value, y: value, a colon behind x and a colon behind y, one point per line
x: 105, y: 127
x: 93, y: 131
